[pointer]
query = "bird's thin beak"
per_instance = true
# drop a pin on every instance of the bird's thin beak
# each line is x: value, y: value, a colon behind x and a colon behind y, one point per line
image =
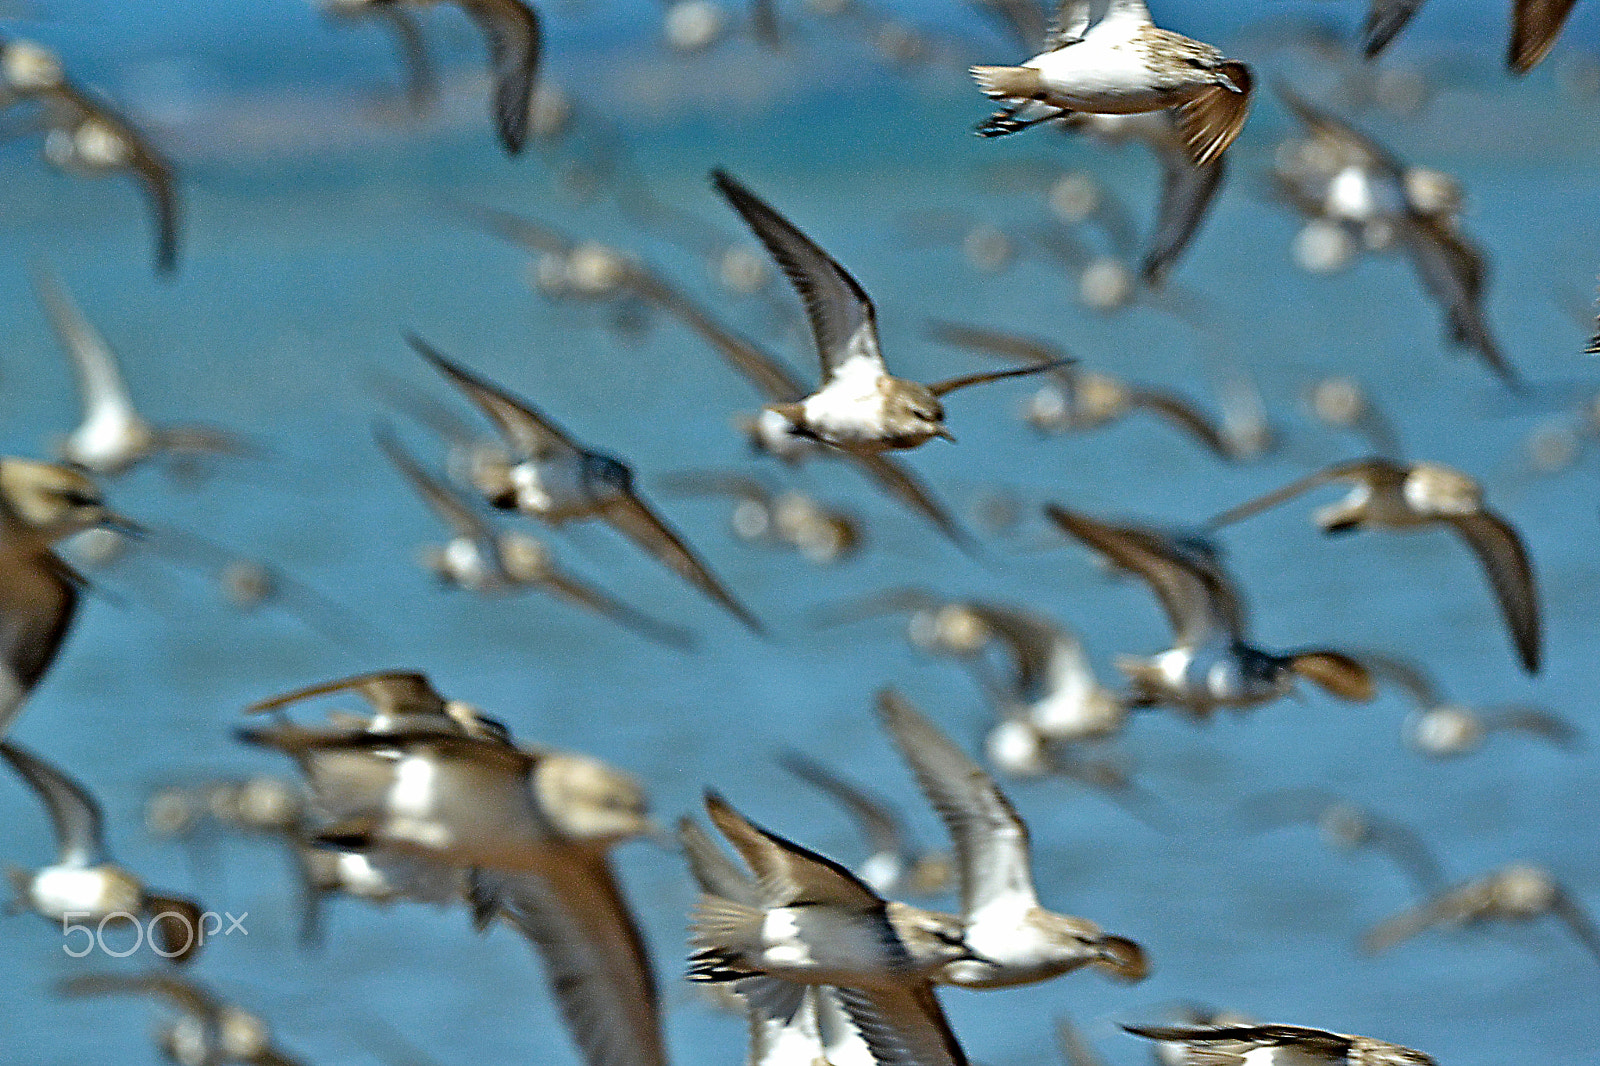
x: 945, y: 434
x: 126, y: 526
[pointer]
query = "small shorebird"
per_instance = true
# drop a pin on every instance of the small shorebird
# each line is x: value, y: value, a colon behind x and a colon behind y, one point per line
x: 1077, y: 399
x: 113, y: 436
x: 207, y: 1032
x: 85, y: 136
x: 512, y: 30
x: 1210, y: 665
x: 860, y: 407
x: 83, y: 886
x: 1347, y: 826
x: 1123, y: 64
x: 434, y: 781
x: 1440, y: 728
x: 556, y: 480
x: 895, y: 865
x: 40, y: 503
x: 421, y: 79
x: 1367, y: 187
x: 810, y: 922
x: 1187, y: 189
x: 480, y: 559
x: 1012, y: 938
x: 821, y: 533
x: 1276, y: 1045
x: 1519, y: 892
x: 1341, y: 402
x: 1409, y: 496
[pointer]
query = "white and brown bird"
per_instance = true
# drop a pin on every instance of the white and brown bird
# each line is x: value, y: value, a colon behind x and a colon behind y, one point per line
x: 1014, y: 939
x: 1405, y: 497
x: 512, y: 30
x: 85, y: 136
x: 1441, y: 728
x: 40, y: 503
x: 83, y: 887
x: 860, y: 407
x: 821, y: 533
x: 207, y: 1031
x: 1276, y: 1045
x: 1211, y: 664
x: 113, y: 437
x: 481, y: 559
x: 1519, y: 892
x: 551, y: 477
x: 1077, y: 399
x: 1123, y: 64
x: 1367, y: 187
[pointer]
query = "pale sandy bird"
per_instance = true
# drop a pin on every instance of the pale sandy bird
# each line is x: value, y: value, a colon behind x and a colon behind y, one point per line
x: 556, y: 480
x: 1188, y: 189
x: 1211, y: 665
x: 1535, y: 25
x: 481, y: 559
x: 1441, y: 728
x: 1347, y: 826
x: 813, y: 923
x: 83, y: 886
x: 512, y: 31
x: 1123, y: 64
x: 1518, y: 892
x: 1014, y: 939
x: 1276, y: 1045
x: 40, y: 503
x: 113, y: 436
x: 1367, y: 186
x: 1405, y: 497
x: 207, y: 1031
x: 790, y: 519
x: 84, y: 136
x: 896, y: 865
x: 533, y: 826
x: 1077, y: 399
x: 860, y: 406
x: 1341, y: 402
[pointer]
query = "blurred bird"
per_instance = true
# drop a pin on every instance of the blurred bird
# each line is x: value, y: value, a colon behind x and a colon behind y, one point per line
x: 1077, y: 399
x: 791, y: 519
x: 1347, y: 826
x: 480, y: 559
x: 1012, y: 938
x: 1404, y: 497
x: 1210, y: 665
x: 1440, y: 728
x: 83, y: 888
x: 207, y: 1031
x: 87, y: 137
x: 1277, y: 1045
x: 421, y: 80
x: 1342, y: 403
x: 512, y: 30
x: 1123, y: 64
x: 113, y: 437
x: 1519, y: 892
x: 860, y: 407
x: 556, y: 480
x: 1347, y: 177
x: 1535, y: 25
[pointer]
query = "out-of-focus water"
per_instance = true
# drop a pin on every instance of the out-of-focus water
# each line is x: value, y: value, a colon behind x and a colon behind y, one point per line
x: 316, y: 233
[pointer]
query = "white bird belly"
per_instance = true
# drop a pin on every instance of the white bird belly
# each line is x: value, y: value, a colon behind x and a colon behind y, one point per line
x: 91, y: 892
x: 551, y: 490
x: 1091, y: 76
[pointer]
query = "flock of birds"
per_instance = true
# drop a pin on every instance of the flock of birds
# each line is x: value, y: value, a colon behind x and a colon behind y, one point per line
x: 424, y: 797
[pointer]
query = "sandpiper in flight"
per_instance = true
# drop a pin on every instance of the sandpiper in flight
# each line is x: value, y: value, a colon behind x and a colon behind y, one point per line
x: 1277, y: 1045
x: 1123, y: 64
x: 1407, y: 497
x: 553, y: 478
x: 860, y: 407
x: 207, y: 1032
